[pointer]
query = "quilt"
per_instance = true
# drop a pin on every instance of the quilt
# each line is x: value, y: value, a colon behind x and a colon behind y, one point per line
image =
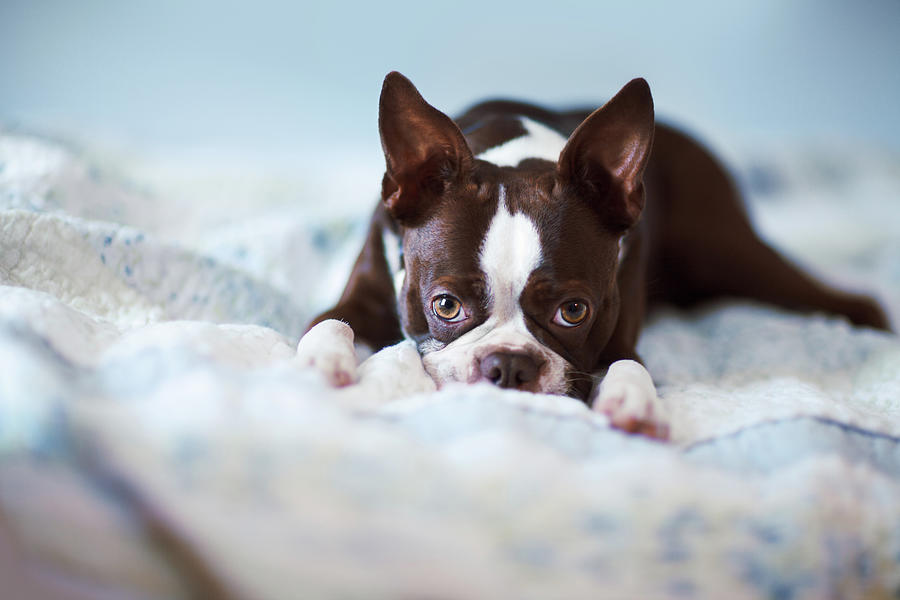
x: 157, y: 439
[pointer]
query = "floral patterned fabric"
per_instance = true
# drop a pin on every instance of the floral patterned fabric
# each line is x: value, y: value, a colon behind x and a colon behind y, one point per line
x: 156, y: 439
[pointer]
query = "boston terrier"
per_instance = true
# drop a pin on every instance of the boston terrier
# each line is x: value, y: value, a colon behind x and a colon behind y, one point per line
x: 522, y: 247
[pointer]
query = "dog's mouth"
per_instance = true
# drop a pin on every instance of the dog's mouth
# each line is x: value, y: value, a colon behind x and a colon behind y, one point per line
x: 535, y: 370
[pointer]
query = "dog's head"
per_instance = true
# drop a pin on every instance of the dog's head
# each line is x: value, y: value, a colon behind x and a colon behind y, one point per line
x: 510, y: 262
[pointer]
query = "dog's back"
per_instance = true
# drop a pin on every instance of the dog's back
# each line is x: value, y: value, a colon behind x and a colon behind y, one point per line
x: 697, y: 240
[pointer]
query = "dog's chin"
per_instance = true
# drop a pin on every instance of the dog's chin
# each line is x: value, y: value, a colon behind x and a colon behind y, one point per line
x: 553, y: 388
x: 577, y: 388
x: 559, y: 381
x: 580, y: 388
x: 469, y: 358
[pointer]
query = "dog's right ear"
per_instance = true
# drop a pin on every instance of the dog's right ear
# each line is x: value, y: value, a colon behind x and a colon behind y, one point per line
x: 423, y: 148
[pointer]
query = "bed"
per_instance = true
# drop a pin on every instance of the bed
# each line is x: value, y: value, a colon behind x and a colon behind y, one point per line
x: 157, y: 439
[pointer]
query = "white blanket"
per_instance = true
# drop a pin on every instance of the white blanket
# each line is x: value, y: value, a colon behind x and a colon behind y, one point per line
x: 157, y: 440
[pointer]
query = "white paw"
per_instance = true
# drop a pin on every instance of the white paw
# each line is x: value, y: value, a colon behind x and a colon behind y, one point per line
x: 628, y: 397
x: 328, y: 348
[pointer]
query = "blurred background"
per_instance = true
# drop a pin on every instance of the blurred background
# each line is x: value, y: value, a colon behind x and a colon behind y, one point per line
x: 169, y: 164
x: 254, y: 123
x: 274, y: 77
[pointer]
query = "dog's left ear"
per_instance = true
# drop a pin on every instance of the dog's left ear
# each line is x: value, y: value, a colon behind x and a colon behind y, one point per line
x: 605, y: 156
x: 423, y: 148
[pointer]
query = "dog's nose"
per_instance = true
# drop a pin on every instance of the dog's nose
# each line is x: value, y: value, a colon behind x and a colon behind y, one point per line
x: 509, y: 370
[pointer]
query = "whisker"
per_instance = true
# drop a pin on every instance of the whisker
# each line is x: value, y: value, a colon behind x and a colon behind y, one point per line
x: 574, y: 377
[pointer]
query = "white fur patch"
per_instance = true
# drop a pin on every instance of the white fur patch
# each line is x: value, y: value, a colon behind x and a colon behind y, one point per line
x: 510, y: 252
x: 393, y: 254
x: 540, y: 142
x: 392, y: 249
x: 399, y: 278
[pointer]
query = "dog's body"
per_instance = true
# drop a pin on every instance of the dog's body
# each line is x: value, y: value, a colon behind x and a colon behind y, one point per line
x: 513, y: 247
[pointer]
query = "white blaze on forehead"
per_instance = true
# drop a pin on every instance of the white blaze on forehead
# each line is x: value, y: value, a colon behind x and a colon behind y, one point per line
x: 510, y: 252
x: 540, y: 142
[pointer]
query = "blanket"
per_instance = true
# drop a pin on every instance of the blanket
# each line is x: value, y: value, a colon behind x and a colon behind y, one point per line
x: 157, y: 439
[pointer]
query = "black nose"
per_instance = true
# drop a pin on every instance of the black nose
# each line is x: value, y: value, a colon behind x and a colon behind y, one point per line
x: 509, y: 370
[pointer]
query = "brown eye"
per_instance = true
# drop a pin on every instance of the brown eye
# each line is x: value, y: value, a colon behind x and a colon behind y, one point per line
x: 571, y: 313
x: 447, y: 308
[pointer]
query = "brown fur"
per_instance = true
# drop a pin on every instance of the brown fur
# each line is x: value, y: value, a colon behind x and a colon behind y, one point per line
x: 692, y: 243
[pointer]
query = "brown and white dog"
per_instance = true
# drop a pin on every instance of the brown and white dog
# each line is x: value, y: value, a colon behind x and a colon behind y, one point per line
x: 522, y: 247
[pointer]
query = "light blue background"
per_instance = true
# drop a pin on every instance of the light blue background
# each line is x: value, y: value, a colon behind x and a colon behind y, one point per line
x: 275, y: 75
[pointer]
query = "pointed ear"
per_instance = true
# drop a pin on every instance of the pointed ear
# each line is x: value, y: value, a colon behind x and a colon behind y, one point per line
x: 423, y: 148
x: 605, y: 156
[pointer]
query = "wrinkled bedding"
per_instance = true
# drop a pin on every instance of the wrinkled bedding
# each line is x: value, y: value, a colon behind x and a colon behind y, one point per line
x: 158, y: 441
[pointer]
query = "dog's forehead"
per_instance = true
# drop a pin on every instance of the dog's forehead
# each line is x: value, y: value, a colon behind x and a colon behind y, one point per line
x: 505, y: 220
x: 511, y: 251
x: 446, y: 245
x: 510, y: 205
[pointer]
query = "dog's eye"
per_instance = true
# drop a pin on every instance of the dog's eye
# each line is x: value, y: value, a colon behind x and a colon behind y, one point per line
x: 571, y: 313
x: 448, y: 308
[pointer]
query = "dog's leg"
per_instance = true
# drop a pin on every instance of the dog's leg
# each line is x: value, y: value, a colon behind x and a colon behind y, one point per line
x: 369, y: 302
x: 328, y: 348
x: 708, y: 247
x: 626, y: 394
x: 749, y: 268
x: 628, y: 397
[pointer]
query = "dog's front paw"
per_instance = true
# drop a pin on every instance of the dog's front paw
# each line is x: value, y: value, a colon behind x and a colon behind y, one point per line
x: 865, y: 312
x: 328, y: 348
x: 628, y: 397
